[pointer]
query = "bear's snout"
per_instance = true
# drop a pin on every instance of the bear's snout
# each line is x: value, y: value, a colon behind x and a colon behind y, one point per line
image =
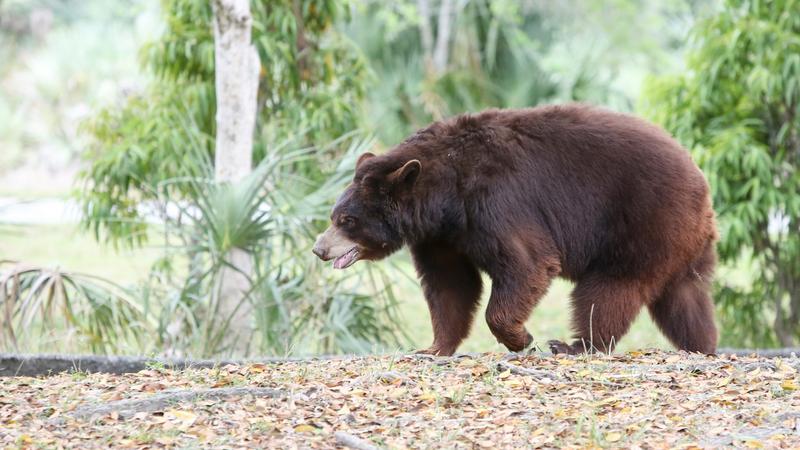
x: 320, y: 248
x: 334, y: 245
x: 320, y: 252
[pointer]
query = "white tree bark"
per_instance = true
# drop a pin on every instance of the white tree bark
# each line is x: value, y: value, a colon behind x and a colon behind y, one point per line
x: 424, y: 9
x: 236, y: 73
x: 442, y: 50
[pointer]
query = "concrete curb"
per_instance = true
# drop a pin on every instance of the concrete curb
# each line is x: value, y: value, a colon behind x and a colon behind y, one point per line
x: 39, y: 365
x: 43, y: 365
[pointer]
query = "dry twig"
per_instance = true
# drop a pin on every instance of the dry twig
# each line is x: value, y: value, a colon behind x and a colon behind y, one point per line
x: 350, y: 441
x: 158, y: 402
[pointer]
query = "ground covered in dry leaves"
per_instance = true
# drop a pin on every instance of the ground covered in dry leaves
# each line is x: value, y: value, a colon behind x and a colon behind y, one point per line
x: 645, y: 399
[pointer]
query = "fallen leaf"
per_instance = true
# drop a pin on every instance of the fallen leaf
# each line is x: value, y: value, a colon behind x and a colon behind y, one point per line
x: 257, y: 368
x: 689, y: 405
x: 204, y: 434
x: 613, y: 436
x: 426, y: 397
x: 398, y: 393
x: 186, y: 417
x: 222, y: 381
x: 166, y: 441
x: 305, y: 428
x: 152, y: 387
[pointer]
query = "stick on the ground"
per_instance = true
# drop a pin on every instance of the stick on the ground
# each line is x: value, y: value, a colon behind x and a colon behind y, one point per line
x: 350, y: 441
x: 158, y: 402
x: 537, y: 374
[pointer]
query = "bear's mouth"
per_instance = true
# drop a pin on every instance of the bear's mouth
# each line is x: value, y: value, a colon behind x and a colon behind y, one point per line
x: 346, y: 260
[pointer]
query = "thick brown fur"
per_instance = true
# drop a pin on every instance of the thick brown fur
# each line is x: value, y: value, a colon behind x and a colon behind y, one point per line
x: 604, y: 199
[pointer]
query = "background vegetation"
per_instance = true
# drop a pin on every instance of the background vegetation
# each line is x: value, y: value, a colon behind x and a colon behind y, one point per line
x: 116, y: 100
x: 738, y: 107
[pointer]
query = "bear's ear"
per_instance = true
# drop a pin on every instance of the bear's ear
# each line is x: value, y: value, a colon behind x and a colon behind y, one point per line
x: 407, y: 174
x: 363, y: 158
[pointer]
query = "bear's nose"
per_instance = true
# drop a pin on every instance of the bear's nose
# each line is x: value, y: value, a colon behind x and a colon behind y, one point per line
x: 321, y: 253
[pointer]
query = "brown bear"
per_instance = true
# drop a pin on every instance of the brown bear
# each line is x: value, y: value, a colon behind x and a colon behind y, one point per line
x: 603, y: 199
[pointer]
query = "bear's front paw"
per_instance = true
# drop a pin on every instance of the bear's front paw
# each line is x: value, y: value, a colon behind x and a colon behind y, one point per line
x: 560, y: 347
x: 436, y: 351
x: 516, y: 343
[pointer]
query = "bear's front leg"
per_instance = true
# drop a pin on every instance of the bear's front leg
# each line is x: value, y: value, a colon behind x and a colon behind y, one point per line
x: 452, y: 287
x: 514, y: 295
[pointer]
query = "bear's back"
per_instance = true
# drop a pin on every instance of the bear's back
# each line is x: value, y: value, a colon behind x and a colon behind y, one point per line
x: 597, y: 180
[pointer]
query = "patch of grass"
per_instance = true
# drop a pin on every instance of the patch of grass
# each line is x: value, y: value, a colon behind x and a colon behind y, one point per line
x: 72, y: 249
x: 78, y: 375
x: 158, y: 366
x: 262, y: 426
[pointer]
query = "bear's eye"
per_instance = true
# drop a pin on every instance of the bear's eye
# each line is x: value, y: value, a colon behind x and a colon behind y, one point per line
x: 347, y: 221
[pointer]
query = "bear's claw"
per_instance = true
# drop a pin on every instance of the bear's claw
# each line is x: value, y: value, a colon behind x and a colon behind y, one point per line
x: 560, y: 347
x: 435, y: 351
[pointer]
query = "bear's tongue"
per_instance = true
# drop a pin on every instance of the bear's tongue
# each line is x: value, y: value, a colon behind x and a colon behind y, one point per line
x: 346, y: 259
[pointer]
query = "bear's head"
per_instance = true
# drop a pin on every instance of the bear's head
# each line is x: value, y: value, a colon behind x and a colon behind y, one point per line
x: 365, y: 222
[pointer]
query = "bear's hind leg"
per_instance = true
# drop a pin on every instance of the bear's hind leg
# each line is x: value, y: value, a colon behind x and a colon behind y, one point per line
x: 685, y: 313
x: 452, y: 287
x: 603, y: 309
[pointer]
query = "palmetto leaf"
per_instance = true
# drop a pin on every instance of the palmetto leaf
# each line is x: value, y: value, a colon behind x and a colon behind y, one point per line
x: 97, y: 309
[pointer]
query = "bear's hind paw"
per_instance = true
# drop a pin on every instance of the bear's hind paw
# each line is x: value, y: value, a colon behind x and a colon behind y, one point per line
x: 560, y: 347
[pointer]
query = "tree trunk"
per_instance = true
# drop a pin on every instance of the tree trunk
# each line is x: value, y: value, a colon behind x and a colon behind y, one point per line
x: 784, y: 335
x: 442, y: 50
x: 794, y: 277
x: 783, y: 326
x: 424, y: 10
x: 236, y: 75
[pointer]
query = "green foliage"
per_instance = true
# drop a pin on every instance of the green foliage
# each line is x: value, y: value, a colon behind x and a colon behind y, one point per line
x: 300, y: 307
x: 311, y: 80
x: 145, y: 160
x: 152, y: 157
x: 738, y: 108
x: 41, y: 304
x: 509, y: 54
x: 491, y: 63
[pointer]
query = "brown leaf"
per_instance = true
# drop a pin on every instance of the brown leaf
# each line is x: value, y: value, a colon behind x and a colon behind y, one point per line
x: 152, y: 387
x: 305, y: 428
x: 256, y: 368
